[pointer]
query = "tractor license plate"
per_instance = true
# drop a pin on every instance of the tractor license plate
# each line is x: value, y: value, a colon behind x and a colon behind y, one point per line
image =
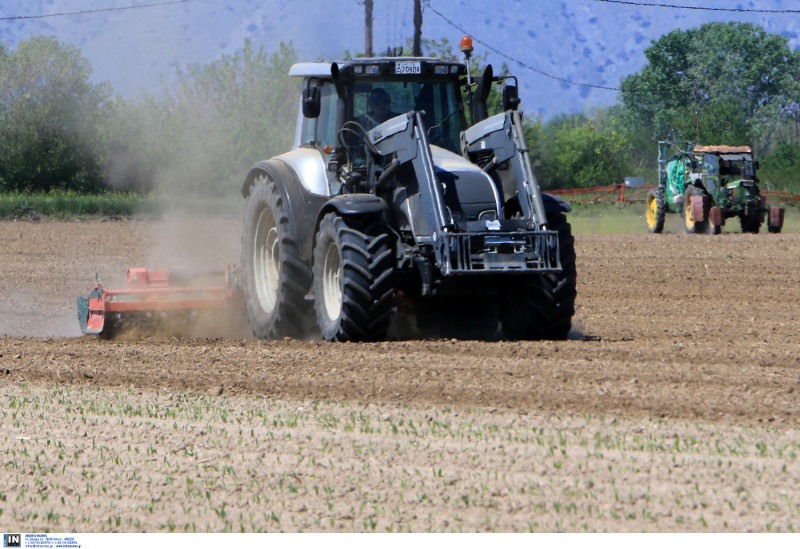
x: 408, y: 67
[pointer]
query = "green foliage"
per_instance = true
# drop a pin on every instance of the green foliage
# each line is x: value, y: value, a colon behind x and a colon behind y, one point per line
x: 586, y: 157
x: 71, y: 204
x: 196, y: 141
x: 582, y: 151
x: 50, y: 115
x: 732, y: 74
x: 780, y: 168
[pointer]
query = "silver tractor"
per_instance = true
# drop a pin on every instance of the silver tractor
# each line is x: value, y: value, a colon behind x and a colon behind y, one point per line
x: 390, y: 205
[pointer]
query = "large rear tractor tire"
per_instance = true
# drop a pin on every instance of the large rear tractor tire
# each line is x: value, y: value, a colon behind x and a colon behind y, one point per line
x: 775, y: 220
x: 274, y: 277
x: 656, y: 210
x: 750, y: 220
x: 541, y: 306
x: 353, y: 290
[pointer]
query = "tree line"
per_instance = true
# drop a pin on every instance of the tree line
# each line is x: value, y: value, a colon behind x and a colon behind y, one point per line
x: 197, y: 138
x: 721, y: 83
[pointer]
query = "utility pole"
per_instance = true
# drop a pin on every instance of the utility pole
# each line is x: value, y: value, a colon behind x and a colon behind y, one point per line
x: 696, y: 116
x: 368, y: 27
x: 417, y: 28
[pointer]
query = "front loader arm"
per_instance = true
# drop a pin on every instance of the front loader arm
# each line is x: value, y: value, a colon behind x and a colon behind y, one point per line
x: 404, y: 137
x: 505, y: 246
x: 503, y: 133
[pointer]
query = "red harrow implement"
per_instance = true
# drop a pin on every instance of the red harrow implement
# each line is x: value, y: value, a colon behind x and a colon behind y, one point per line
x: 153, y: 297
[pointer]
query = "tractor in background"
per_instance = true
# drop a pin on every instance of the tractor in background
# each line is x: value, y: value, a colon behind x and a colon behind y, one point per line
x: 707, y: 185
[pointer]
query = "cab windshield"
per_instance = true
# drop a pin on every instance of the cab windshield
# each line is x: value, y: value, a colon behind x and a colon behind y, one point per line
x: 376, y: 102
x: 710, y: 164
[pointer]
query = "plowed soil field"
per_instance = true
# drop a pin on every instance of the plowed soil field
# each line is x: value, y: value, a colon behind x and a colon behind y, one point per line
x: 674, y: 405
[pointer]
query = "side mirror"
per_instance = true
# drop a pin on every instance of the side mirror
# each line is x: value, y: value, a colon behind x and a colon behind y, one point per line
x: 756, y: 165
x: 510, y: 98
x: 311, y: 101
x: 480, y: 111
x: 485, y: 84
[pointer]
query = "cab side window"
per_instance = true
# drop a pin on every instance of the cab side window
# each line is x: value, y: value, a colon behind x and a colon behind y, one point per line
x: 321, y: 131
x: 326, y: 132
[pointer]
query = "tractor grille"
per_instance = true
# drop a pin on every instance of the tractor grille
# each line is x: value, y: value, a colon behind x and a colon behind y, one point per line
x: 502, y: 252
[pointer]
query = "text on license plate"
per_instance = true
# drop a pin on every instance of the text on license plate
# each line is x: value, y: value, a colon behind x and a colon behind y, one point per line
x: 407, y: 67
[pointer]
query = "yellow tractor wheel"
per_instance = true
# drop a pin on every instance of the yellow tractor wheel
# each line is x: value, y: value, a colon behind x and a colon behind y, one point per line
x: 656, y: 210
x: 688, y: 216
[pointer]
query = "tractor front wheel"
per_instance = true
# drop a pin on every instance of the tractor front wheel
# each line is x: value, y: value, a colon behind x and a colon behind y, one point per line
x: 353, y: 290
x: 656, y: 210
x: 696, y: 207
x: 541, y: 306
x: 750, y: 220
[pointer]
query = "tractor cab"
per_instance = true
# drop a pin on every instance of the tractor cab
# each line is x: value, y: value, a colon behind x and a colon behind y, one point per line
x: 725, y: 170
x: 369, y: 91
x: 351, y: 108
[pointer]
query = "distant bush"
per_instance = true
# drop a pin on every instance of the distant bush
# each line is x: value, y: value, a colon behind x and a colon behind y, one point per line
x: 780, y: 169
x: 66, y: 204
x: 51, y: 119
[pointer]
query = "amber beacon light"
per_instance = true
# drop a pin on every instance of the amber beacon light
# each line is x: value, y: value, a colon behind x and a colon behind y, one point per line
x: 466, y: 45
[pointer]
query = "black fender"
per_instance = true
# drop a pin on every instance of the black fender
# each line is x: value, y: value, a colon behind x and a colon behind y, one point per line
x: 551, y: 203
x: 302, y: 205
x: 554, y: 203
x: 355, y: 204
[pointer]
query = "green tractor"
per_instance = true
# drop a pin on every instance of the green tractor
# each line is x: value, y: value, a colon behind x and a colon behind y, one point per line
x: 707, y: 185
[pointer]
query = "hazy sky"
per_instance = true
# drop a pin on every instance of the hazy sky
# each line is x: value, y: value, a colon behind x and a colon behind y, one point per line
x: 544, y: 42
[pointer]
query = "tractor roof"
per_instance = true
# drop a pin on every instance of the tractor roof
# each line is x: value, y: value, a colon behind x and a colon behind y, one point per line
x: 374, y: 67
x: 722, y: 149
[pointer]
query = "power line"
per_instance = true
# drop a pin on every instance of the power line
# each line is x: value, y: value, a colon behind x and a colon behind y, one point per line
x: 501, y: 54
x: 701, y: 8
x: 17, y: 17
x: 540, y: 71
